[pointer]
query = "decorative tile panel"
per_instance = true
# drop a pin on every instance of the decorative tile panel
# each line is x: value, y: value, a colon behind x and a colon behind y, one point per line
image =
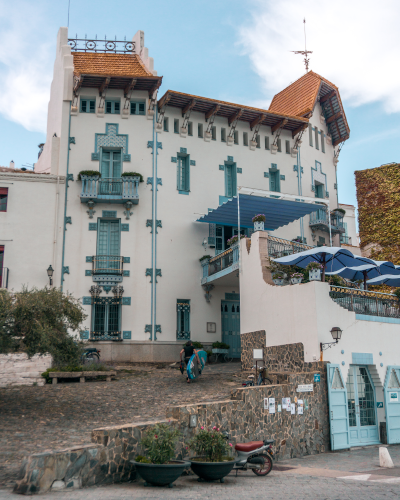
x: 239, y: 170
x: 174, y: 159
x: 266, y: 174
x: 183, y: 150
x: 127, y: 260
x: 192, y: 162
x: 89, y: 258
x: 92, y: 226
x: 87, y: 301
x: 124, y: 227
x: 88, y: 272
x: 282, y: 177
x: 126, y: 273
x: 84, y: 335
x: 222, y: 167
x: 362, y: 358
x: 111, y: 139
x: 230, y: 158
x: 127, y: 335
x: 109, y: 214
x: 126, y: 301
x: 232, y: 296
x: 318, y: 175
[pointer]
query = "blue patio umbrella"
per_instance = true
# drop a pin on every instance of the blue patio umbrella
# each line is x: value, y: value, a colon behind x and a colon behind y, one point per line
x: 386, y: 279
x: 331, y: 258
x: 367, y: 271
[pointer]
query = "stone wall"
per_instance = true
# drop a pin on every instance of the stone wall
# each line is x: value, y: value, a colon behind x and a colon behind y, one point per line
x: 18, y: 369
x: 248, y: 342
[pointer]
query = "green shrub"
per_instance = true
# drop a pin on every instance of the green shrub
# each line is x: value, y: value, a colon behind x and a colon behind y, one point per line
x: 91, y: 173
x: 205, y: 257
x: 132, y: 174
x: 397, y: 293
x: 92, y: 367
x: 159, y: 443
x: 142, y: 459
x: 220, y: 345
x: 210, y: 444
x: 196, y: 345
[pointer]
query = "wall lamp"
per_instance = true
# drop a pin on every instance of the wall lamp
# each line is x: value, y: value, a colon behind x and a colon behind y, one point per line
x: 50, y: 272
x: 204, y: 244
x: 336, y: 333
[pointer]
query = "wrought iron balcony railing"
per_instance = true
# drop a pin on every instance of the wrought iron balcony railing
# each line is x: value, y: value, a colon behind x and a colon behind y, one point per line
x: 107, y: 264
x: 279, y: 247
x: 321, y: 220
x: 227, y: 259
x: 114, y: 336
x: 110, y: 190
x: 4, y: 277
x: 366, y: 302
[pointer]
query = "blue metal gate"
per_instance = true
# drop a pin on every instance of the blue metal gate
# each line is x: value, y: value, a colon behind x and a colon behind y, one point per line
x: 230, y: 316
x: 392, y: 404
x: 338, y: 411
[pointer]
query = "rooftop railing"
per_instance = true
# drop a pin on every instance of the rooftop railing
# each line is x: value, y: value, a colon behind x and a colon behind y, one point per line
x: 366, y: 302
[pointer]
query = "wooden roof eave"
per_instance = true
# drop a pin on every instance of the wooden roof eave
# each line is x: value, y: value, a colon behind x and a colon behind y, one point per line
x: 150, y: 83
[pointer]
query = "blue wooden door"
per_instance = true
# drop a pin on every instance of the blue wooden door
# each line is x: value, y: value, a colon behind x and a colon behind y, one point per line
x: 230, y: 316
x: 392, y: 404
x: 339, y: 417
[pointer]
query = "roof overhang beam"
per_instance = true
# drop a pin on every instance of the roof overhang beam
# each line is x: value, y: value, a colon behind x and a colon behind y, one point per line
x: 212, y: 112
x: 189, y: 107
x: 327, y: 96
x: 334, y: 117
x: 279, y: 125
x: 235, y: 116
x: 299, y: 130
x: 257, y: 121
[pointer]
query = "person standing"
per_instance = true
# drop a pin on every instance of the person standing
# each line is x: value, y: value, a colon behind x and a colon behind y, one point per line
x: 188, y: 351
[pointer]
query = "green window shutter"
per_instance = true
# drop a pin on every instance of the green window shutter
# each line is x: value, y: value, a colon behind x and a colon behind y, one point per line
x: 181, y: 173
x: 102, y: 238
x: 105, y: 164
x: 211, y: 235
x: 84, y: 105
x: 113, y: 318
x: 310, y: 135
x: 108, y: 238
x: 99, y: 317
x: 166, y: 128
x: 116, y: 164
x: 187, y: 173
x: 176, y: 126
x: 316, y: 138
x: 279, y: 141
x: 266, y: 142
x: 141, y: 108
x: 133, y: 108
x: 108, y: 107
x: 114, y: 238
x: 219, y: 240
x: 272, y: 184
x: 92, y: 104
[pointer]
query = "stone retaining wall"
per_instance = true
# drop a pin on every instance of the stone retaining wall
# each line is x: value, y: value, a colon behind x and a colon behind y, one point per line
x: 18, y: 369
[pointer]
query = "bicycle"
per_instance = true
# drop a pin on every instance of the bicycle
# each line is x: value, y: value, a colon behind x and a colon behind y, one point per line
x: 90, y: 355
x: 261, y: 379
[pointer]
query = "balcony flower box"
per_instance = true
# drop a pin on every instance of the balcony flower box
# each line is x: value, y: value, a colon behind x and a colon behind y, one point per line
x: 296, y: 278
x: 314, y: 275
x: 278, y: 281
x: 258, y: 221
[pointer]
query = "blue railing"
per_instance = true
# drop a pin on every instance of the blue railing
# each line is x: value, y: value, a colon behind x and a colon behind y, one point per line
x: 321, y: 220
x: 112, y: 190
x: 227, y: 259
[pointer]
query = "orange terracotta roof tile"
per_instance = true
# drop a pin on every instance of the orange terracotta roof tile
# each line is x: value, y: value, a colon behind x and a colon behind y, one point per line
x: 90, y: 63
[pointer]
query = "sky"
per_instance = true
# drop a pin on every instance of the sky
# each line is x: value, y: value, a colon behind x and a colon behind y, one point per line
x: 233, y: 50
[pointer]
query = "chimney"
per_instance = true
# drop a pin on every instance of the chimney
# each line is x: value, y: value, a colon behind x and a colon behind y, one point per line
x: 12, y: 164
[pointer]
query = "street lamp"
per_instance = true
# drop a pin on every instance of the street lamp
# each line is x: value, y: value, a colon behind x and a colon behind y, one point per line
x: 50, y: 272
x: 336, y: 333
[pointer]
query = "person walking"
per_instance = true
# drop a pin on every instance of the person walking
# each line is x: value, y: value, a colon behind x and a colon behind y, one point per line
x: 188, y: 351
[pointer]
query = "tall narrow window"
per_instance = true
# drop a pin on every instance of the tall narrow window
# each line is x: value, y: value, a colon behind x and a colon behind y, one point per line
x: 110, y: 165
x: 245, y: 139
x: 183, y: 319
x: 176, y: 126
x: 112, y: 107
x: 219, y: 240
x: 106, y: 319
x: 274, y: 179
x: 258, y: 141
x: 310, y: 129
x: 319, y: 190
x: 88, y: 105
x: 214, y: 133
x: 230, y: 180
x: 287, y: 146
x: 322, y: 141
x: 223, y: 134
x: 190, y: 128
x: 137, y: 108
x: 279, y: 143
x: 166, y: 124
x: 3, y: 199
x: 200, y: 130
x: 108, y: 260
x: 236, y: 137
x: 316, y: 138
x: 266, y: 142
x: 183, y: 181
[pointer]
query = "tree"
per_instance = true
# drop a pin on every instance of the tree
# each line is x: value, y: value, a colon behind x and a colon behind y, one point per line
x: 39, y: 322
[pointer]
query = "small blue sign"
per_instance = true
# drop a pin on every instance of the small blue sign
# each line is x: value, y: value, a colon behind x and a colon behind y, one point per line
x: 379, y: 404
x: 317, y: 377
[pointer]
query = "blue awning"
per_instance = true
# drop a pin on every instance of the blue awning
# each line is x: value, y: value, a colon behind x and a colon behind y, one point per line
x: 277, y: 212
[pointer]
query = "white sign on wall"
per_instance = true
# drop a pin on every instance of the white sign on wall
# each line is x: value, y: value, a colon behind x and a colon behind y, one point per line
x: 258, y: 354
x: 305, y: 388
x: 393, y: 397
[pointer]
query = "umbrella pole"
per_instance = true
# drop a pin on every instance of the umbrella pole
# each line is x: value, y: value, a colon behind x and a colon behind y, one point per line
x: 323, y: 268
x: 365, y: 280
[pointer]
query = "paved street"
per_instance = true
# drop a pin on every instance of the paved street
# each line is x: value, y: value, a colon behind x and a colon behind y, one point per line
x: 53, y: 417
x: 329, y: 476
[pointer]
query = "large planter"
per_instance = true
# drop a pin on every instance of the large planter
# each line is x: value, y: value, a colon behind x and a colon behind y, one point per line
x: 161, y: 474
x: 295, y: 281
x: 314, y: 275
x: 278, y: 281
x: 211, y: 471
x: 259, y: 226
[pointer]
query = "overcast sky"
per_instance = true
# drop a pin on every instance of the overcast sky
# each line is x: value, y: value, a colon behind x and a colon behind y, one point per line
x: 235, y: 50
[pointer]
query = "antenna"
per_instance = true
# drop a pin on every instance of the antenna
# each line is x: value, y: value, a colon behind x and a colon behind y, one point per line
x: 304, y: 52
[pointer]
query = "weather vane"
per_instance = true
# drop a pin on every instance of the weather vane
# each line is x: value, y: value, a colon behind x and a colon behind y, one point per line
x: 304, y: 52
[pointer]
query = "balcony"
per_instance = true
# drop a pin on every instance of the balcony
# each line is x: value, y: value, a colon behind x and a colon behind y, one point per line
x: 3, y: 277
x: 365, y: 302
x: 279, y: 247
x: 221, y: 265
x: 110, y: 190
x: 321, y: 220
x: 107, y: 269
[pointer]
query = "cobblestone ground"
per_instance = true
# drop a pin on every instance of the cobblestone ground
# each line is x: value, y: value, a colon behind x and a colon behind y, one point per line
x: 37, y: 419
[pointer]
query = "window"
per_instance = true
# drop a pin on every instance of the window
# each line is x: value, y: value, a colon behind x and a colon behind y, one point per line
x: 108, y: 260
x: 112, y: 107
x: 321, y: 241
x: 183, y: 172
x: 287, y: 145
x: 310, y: 135
x: 110, y: 168
x: 223, y: 134
x: 258, y: 141
x: 274, y: 179
x: 137, y: 108
x: 266, y: 142
x: 245, y: 139
x: 214, y: 133
x: 230, y: 180
x: 183, y: 319
x: 190, y: 128
x: 279, y: 143
x: 106, y: 319
x: 166, y: 124
x: 319, y: 190
x: 176, y: 126
x: 219, y: 240
x: 88, y: 105
x: 236, y: 137
x: 316, y: 138
x: 200, y: 130
x: 322, y: 141
x: 3, y: 199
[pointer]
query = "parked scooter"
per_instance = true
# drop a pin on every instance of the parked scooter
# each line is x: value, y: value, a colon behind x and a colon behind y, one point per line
x: 254, y: 455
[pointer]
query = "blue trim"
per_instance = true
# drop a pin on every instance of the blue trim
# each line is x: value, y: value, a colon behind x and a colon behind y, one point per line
x: 183, y: 150
x: 89, y: 258
x: 88, y: 272
x: 127, y: 260
x: 126, y: 273
x: 84, y: 335
x: 121, y: 141
x: 124, y: 227
x: 92, y: 226
x: 148, y: 329
x: 378, y: 319
x: 174, y: 159
x: 193, y: 163
x: 126, y: 301
x: 183, y: 192
x: 362, y: 358
x: 266, y: 174
x: 87, y: 301
x: 282, y: 177
x: 127, y: 335
x: 239, y: 170
x: 230, y: 158
x: 109, y: 214
x: 222, y: 167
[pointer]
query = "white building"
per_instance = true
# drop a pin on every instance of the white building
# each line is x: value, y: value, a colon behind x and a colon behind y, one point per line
x: 131, y: 249
x: 350, y: 236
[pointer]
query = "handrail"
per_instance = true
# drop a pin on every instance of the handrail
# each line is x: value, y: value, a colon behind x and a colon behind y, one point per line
x: 124, y: 187
x: 107, y: 264
x: 365, y: 293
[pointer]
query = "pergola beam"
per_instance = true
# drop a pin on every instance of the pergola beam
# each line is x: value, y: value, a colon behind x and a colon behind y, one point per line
x: 279, y: 125
x: 164, y: 101
x: 103, y: 87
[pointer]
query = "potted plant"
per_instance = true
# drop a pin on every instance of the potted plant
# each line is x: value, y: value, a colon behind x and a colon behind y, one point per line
x: 314, y: 271
x: 258, y: 221
x: 158, y: 466
x: 234, y: 239
x: 132, y: 174
x: 213, y: 460
x: 89, y: 173
x: 204, y: 258
x: 278, y: 278
x: 296, y: 278
x: 220, y: 348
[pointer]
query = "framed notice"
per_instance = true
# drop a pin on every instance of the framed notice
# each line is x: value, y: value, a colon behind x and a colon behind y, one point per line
x: 211, y: 327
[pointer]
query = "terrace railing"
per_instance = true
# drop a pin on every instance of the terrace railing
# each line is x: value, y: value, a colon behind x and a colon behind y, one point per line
x: 279, y: 247
x: 366, y: 302
x: 107, y: 264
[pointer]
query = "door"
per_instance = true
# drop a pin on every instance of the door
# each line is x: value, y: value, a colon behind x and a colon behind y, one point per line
x: 339, y: 418
x: 230, y: 316
x: 363, y: 423
x: 108, y: 247
x: 392, y: 404
x: 111, y: 168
